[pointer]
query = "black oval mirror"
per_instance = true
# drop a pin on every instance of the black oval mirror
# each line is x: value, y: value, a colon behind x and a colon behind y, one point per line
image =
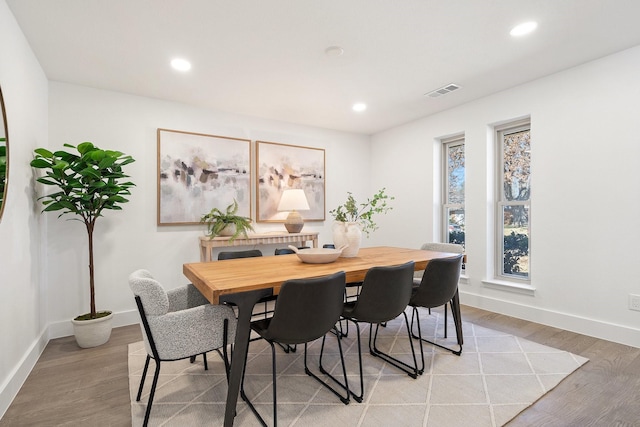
x: 4, y: 156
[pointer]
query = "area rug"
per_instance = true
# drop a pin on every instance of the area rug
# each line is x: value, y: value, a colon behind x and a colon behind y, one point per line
x: 496, y: 377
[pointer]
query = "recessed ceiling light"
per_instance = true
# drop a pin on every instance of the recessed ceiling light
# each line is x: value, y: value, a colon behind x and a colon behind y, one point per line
x: 334, y: 51
x: 524, y: 28
x: 359, y: 107
x: 181, y: 64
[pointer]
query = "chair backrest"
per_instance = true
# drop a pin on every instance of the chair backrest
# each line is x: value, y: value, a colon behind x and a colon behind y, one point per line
x: 439, y: 282
x: 385, y: 293
x: 239, y: 254
x: 152, y: 294
x: 152, y: 301
x: 443, y: 247
x: 306, y: 309
x: 287, y: 251
x: 283, y: 251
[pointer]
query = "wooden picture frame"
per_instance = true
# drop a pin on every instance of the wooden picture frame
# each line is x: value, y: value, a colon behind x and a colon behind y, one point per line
x: 283, y: 166
x: 198, y: 172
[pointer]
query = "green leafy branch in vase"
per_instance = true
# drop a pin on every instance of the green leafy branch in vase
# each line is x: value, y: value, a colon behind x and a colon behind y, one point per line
x: 363, y: 213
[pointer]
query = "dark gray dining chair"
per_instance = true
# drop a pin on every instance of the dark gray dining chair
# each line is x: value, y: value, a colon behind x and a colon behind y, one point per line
x: 438, y: 247
x: 287, y: 251
x: 178, y: 324
x: 250, y: 253
x: 438, y: 287
x: 348, y: 296
x: 384, y: 296
x: 239, y: 254
x: 306, y: 310
x: 284, y: 251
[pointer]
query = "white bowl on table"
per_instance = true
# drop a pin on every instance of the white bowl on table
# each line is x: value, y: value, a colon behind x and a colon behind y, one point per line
x: 317, y: 255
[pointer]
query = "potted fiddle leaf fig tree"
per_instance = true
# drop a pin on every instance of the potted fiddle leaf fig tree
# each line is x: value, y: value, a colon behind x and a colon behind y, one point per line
x: 88, y: 180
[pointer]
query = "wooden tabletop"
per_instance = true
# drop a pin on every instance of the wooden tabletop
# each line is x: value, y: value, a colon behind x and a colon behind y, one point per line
x: 217, y: 278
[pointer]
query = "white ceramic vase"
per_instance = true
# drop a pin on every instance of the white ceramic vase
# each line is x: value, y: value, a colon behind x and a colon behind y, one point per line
x: 92, y: 332
x: 347, y: 233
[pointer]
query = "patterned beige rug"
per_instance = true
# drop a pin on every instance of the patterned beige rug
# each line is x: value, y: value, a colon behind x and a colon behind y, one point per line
x: 497, y: 376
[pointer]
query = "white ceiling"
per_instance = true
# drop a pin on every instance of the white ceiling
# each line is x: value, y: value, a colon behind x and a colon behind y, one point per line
x: 266, y: 58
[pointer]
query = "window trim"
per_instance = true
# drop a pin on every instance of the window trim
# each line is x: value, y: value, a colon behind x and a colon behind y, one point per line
x: 446, y: 206
x: 500, y: 202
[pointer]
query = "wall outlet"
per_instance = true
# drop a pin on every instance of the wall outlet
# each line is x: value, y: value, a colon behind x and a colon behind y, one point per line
x: 634, y: 302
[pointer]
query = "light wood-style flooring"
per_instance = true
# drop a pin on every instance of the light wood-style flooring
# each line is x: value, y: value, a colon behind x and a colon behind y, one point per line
x: 73, y: 386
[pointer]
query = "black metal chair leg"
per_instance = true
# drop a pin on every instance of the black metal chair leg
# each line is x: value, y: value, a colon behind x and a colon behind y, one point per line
x: 445, y: 320
x: 152, y: 393
x: 206, y: 365
x: 288, y: 348
x: 344, y: 399
x: 412, y: 371
x: 225, y: 355
x: 144, y: 375
x: 273, y: 375
x: 344, y: 333
x: 341, y: 331
x: 244, y: 396
x: 357, y: 398
x: 457, y: 318
x: 421, y: 370
x: 458, y: 333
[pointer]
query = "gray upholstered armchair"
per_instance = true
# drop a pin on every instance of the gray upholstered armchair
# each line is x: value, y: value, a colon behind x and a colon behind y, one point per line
x: 178, y: 324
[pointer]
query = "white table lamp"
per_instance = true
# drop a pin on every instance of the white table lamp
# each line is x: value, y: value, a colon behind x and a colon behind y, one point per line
x: 293, y: 200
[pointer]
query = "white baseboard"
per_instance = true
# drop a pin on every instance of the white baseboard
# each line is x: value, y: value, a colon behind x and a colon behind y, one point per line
x: 10, y: 388
x: 582, y: 325
x: 65, y: 328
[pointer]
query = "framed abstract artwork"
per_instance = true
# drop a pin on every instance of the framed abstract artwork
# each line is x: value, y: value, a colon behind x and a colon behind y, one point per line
x: 281, y: 167
x: 198, y: 172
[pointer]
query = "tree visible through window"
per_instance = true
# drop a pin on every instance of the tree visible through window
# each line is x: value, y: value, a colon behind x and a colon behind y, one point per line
x: 454, y: 220
x: 514, y: 203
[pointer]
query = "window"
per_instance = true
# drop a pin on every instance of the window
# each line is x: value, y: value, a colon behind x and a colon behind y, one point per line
x: 514, y: 200
x: 454, y: 180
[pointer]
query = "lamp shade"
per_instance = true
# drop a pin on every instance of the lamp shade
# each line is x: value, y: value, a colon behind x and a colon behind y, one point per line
x: 293, y: 200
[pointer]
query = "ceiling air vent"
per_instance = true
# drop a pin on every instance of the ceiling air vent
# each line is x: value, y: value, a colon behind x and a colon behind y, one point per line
x: 443, y: 90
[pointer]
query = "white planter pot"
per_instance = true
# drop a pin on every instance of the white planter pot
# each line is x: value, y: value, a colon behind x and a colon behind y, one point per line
x: 92, y: 332
x: 347, y: 233
x: 229, y: 230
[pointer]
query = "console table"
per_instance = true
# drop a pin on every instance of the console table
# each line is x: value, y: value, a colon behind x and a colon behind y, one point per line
x: 206, y: 243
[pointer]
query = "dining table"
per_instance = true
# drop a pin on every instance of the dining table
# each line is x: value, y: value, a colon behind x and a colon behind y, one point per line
x: 244, y: 281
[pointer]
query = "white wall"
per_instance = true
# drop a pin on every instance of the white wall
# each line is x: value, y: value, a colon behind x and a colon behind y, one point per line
x: 22, y: 318
x: 130, y: 239
x: 585, y: 201
x: 585, y: 198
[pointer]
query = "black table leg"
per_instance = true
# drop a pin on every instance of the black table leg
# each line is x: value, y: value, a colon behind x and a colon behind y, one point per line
x: 245, y: 302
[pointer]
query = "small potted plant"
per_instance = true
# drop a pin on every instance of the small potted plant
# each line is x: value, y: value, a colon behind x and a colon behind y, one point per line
x: 353, y: 218
x: 226, y: 223
x: 88, y: 182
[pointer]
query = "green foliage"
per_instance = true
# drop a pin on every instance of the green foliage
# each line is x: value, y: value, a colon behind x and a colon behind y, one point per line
x: 515, y: 247
x: 456, y: 237
x: 87, y: 183
x: 217, y: 220
x: 363, y: 213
